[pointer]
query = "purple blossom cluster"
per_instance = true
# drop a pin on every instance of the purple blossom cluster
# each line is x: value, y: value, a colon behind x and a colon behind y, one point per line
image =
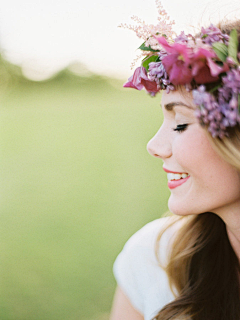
x: 183, y: 38
x: 231, y: 83
x: 209, y: 113
x: 158, y: 74
x: 213, y: 34
x: 190, y: 61
x: 219, y: 112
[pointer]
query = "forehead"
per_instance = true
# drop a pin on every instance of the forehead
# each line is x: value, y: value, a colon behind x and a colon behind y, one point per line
x: 177, y: 98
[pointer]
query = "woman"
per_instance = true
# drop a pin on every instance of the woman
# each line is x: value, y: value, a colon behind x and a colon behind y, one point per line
x: 187, y: 266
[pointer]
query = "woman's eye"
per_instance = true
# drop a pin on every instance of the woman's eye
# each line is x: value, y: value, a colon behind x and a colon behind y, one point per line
x: 181, y: 127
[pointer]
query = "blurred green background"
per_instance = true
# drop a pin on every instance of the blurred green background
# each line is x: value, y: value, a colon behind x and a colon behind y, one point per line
x: 76, y: 183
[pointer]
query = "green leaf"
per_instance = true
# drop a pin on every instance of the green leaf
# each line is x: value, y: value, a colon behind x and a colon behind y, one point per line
x: 233, y: 45
x: 146, y: 61
x: 215, y: 88
x: 221, y: 50
x: 144, y: 48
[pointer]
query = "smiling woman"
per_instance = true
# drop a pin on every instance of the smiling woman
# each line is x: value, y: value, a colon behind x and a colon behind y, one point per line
x: 186, y: 266
x: 186, y: 150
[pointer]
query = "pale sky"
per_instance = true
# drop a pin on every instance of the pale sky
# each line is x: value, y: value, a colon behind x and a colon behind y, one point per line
x: 46, y: 35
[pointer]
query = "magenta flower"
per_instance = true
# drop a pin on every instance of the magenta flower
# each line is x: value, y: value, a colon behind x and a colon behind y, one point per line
x: 200, y: 70
x: 177, y: 62
x: 176, y: 48
x: 215, y: 69
x: 139, y: 80
x: 200, y: 58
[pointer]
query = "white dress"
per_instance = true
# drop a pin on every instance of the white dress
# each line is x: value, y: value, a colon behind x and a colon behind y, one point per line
x: 137, y: 270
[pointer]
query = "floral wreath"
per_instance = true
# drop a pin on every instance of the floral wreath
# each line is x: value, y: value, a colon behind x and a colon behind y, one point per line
x: 212, y: 57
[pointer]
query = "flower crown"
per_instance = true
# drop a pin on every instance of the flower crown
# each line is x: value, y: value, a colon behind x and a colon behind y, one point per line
x: 207, y: 64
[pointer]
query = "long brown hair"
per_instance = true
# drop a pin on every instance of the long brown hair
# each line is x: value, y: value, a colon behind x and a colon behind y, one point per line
x: 203, y: 269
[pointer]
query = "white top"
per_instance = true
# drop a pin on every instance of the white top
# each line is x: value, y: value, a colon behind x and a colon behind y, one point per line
x: 137, y: 270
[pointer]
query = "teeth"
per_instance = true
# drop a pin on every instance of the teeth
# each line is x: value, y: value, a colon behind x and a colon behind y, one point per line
x: 176, y: 176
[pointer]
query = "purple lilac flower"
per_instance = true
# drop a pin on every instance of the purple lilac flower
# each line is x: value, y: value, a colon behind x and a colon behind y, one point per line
x: 158, y: 73
x: 232, y: 81
x: 228, y: 97
x: 209, y: 112
x: 183, y: 38
x: 213, y: 34
x: 162, y: 54
x: 218, y: 113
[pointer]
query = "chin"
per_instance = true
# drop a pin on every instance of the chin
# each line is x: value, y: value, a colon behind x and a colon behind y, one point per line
x: 176, y: 207
x: 180, y: 212
x: 181, y: 209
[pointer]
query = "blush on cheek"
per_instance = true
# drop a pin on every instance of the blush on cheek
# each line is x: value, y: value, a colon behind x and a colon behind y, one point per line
x: 193, y: 149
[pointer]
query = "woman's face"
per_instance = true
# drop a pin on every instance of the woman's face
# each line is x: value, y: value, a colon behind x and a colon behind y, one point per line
x: 198, y: 178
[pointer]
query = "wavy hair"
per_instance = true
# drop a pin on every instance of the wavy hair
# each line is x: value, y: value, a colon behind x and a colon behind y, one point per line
x: 203, y: 269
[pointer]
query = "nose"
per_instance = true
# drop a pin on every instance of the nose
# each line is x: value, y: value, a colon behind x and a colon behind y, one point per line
x: 160, y: 145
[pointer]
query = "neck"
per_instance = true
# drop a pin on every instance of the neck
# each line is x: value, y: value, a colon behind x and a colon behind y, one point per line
x: 234, y: 238
x: 232, y: 221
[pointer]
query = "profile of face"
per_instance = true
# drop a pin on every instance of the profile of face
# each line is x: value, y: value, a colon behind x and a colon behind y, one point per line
x: 199, y: 179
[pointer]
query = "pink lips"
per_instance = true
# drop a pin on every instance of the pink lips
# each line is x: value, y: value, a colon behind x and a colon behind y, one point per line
x: 175, y: 183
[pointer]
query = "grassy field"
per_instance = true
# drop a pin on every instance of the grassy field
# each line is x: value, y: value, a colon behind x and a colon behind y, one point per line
x: 76, y: 183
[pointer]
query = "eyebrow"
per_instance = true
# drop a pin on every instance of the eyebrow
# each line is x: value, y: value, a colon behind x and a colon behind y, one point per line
x: 171, y: 105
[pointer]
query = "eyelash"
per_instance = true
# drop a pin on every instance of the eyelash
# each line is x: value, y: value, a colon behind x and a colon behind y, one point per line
x: 181, y: 127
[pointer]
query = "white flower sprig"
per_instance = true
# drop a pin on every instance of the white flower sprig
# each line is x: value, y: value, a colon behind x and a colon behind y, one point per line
x: 147, y: 32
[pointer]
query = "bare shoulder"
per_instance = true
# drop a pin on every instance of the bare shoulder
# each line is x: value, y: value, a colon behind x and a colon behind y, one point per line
x: 122, y: 308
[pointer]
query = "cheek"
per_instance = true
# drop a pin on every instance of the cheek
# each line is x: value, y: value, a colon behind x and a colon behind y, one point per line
x: 192, y: 149
x: 214, y: 182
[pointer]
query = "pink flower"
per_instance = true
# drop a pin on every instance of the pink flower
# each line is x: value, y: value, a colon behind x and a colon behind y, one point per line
x: 204, y: 69
x: 176, y: 48
x: 204, y: 76
x: 200, y: 68
x: 139, y: 80
x: 182, y: 65
x: 215, y: 69
x: 177, y: 62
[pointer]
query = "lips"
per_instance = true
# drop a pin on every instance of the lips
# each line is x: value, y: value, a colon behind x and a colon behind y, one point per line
x: 176, y: 179
x: 176, y: 183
